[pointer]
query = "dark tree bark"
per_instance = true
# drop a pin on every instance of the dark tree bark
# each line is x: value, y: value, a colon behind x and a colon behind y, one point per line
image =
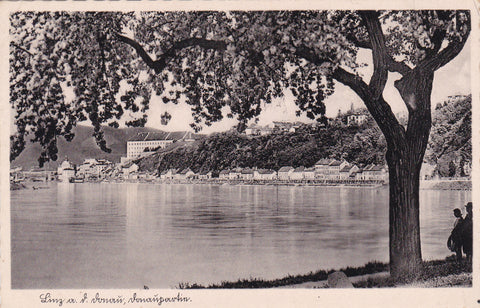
x: 404, y: 165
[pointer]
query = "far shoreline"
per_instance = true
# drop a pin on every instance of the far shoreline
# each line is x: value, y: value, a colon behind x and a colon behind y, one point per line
x: 465, y: 185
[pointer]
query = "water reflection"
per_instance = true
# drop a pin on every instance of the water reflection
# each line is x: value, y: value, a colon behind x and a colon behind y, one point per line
x: 130, y: 235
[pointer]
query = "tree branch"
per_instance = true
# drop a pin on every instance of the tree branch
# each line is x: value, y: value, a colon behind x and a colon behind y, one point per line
x: 392, y: 65
x: 398, y: 67
x: 309, y: 55
x: 159, y: 64
x: 379, y: 109
x: 441, y: 58
x: 21, y: 48
x: 141, y: 52
x: 355, y: 41
x: 379, y: 52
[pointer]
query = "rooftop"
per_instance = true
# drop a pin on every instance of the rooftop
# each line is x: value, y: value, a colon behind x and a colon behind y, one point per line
x: 335, y: 163
x: 185, y: 171
x: 376, y: 168
x: 323, y: 161
x: 155, y: 136
x: 266, y: 171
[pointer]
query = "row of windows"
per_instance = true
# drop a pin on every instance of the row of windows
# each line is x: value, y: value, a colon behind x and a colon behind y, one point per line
x: 149, y: 142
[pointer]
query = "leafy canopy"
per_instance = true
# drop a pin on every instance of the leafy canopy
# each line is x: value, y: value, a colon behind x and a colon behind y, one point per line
x: 67, y: 67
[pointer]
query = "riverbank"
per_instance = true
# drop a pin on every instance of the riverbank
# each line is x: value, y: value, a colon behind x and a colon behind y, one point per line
x: 427, y: 185
x: 446, y: 184
x: 437, y: 273
x: 238, y: 182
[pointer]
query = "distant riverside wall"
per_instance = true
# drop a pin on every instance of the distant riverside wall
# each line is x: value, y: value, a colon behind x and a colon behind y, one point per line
x: 445, y: 184
x: 276, y: 182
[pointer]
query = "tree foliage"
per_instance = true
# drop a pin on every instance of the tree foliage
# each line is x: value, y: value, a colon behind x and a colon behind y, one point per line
x: 66, y: 67
x: 450, y: 145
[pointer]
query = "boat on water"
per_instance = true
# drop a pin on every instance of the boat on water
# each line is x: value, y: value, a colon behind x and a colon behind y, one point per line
x: 76, y: 180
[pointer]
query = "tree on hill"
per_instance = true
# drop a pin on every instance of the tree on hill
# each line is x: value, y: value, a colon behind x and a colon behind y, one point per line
x: 450, y: 145
x: 235, y: 61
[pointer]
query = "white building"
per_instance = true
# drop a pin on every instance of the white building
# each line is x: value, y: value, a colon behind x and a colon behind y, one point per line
x: 297, y: 174
x: 264, y: 174
x: 356, y: 119
x: 309, y: 173
x: 348, y: 172
x: 235, y: 173
x: 321, y: 167
x: 329, y: 169
x: 65, y: 171
x: 285, y: 172
x: 168, y: 174
x: 185, y: 174
x: 224, y: 174
x: 146, y: 142
x: 247, y: 174
x: 205, y: 175
x: 253, y: 130
x: 375, y: 173
x: 130, y: 171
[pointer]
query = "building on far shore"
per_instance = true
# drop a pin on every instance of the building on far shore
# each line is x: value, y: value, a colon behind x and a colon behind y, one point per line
x: 129, y: 171
x: 168, y: 174
x: 309, y: 173
x: 285, y: 172
x: 148, y: 142
x: 264, y: 174
x: 297, y: 174
x: 224, y: 174
x: 205, y: 175
x: 356, y: 119
x: 65, y: 171
x: 247, y: 174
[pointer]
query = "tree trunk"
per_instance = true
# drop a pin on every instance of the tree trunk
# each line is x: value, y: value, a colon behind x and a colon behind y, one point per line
x: 405, y: 157
x: 405, y: 250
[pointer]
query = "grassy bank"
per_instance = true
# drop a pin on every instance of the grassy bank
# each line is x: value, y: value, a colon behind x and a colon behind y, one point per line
x: 437, y: 273
x: 450, y: 272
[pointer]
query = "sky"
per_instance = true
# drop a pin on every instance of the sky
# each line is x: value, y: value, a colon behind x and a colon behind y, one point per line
x: 453, y: 78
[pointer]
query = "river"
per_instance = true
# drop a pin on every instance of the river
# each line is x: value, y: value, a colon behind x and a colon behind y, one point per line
x: 159, y: 235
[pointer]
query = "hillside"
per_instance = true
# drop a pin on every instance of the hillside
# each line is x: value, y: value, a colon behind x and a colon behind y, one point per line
x: 362, y: 145
x: 450, y: 143
x: 82, y: 146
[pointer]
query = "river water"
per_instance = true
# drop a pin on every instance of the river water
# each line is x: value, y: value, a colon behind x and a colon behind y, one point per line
x: 159, y: 235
